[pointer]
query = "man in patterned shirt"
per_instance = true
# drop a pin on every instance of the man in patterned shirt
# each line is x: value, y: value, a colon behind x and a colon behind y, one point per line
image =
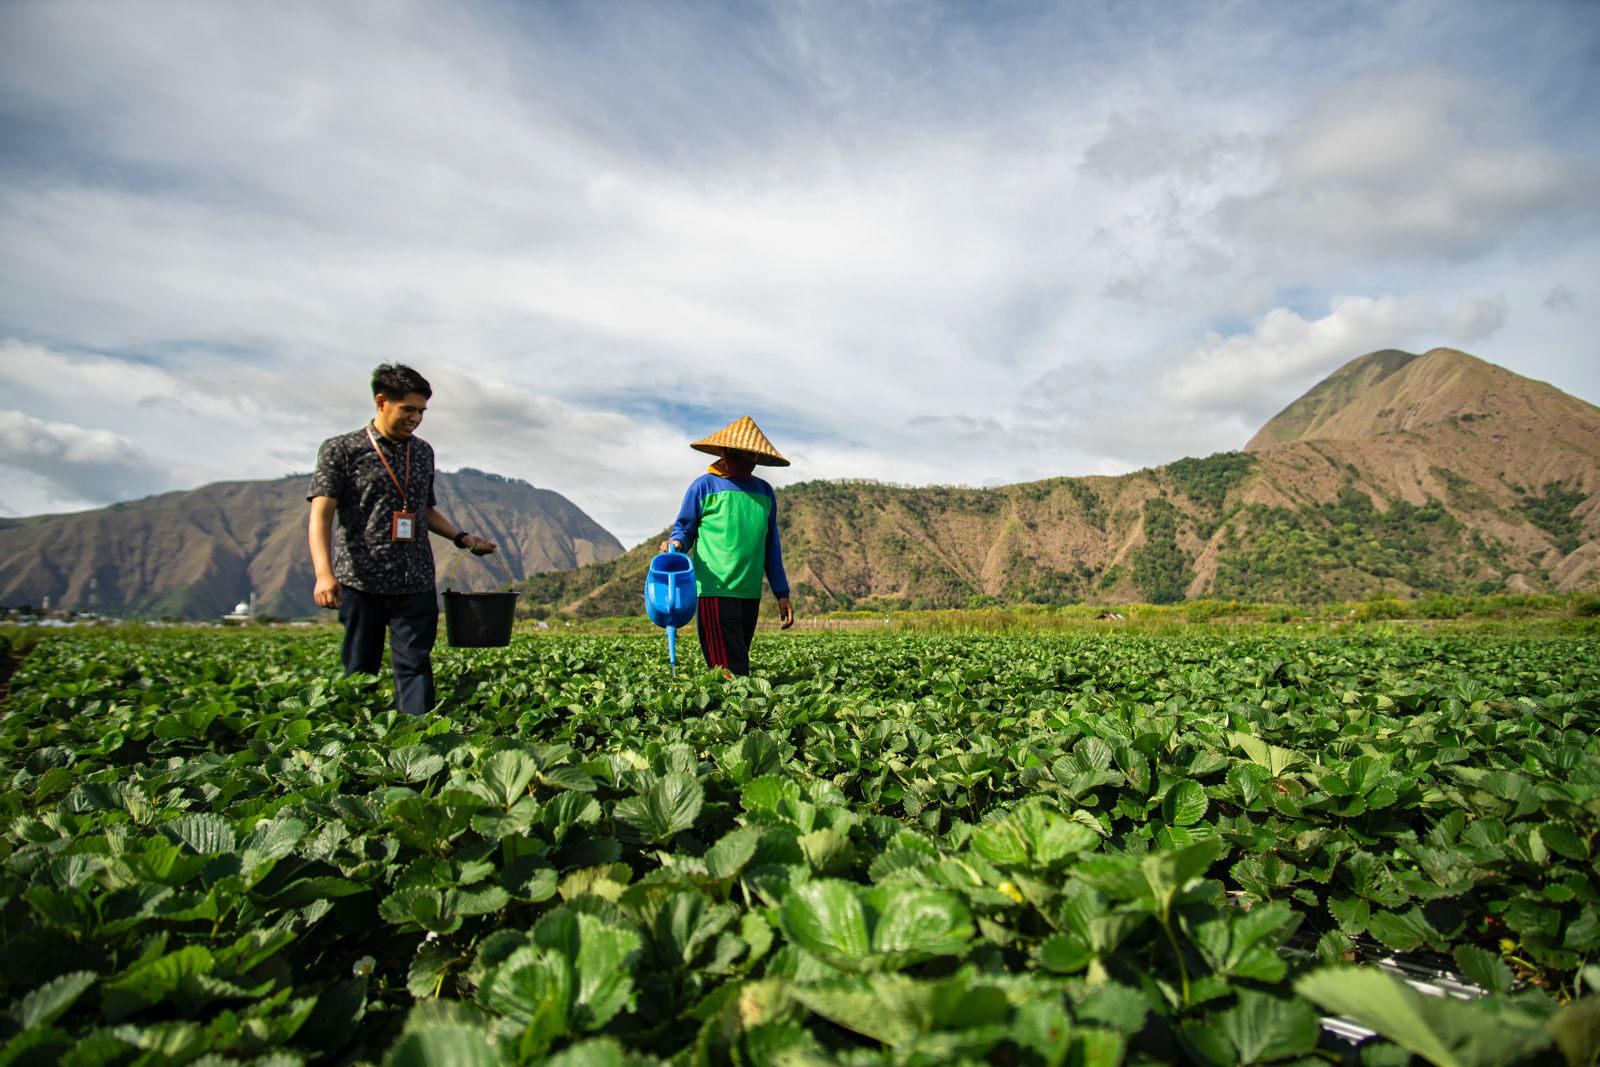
x: 372, y: 506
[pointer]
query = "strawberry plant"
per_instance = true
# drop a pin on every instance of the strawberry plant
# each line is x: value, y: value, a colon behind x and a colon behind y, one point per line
x: 889, y: 850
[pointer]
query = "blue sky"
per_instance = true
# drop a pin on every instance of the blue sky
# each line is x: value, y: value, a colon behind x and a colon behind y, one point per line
x: 920, y: 242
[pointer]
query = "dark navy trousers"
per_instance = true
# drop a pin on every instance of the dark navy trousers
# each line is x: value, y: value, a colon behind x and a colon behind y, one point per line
x: 411, y: 622
x: 727, y: 625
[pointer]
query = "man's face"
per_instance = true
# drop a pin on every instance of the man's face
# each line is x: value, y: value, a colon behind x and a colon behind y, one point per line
x: 738, y: 464
x: 399, y: 419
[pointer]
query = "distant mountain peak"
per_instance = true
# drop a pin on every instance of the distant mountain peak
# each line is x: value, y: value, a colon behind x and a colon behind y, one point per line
x: 194, y: 553
x: 490, y: 476
x: 1391, y: 391
x: 1398, y: 474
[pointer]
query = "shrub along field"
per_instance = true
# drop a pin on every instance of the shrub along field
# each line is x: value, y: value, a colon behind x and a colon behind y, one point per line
x: 892, y: 849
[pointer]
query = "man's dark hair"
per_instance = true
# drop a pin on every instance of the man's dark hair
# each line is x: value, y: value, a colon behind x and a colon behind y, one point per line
x: 398, y: 381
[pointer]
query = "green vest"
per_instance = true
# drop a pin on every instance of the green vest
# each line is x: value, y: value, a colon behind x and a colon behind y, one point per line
x: 730, y: 548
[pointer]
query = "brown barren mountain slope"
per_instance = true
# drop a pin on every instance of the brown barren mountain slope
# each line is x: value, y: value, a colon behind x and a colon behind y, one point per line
x: 1499, y: 451
x: 1399, y: 473
x: 196, y: 554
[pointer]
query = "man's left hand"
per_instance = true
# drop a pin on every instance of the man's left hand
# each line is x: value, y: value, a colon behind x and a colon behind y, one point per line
x: 480, y: 546
x: 785, y: 613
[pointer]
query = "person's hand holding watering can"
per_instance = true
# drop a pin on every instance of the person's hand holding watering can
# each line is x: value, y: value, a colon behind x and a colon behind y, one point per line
x: 785, y: 606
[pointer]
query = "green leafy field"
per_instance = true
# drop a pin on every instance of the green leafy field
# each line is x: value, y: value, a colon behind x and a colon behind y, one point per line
x: 907, y: 849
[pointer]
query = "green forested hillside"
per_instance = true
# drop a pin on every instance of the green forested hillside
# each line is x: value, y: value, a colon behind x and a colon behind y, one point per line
x: 1399, y: 474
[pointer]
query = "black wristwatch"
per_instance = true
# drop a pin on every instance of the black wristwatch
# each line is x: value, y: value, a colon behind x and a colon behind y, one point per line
x: 460, y: 539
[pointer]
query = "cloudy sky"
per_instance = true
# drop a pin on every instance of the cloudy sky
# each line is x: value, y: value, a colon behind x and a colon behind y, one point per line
x: 920, y: 242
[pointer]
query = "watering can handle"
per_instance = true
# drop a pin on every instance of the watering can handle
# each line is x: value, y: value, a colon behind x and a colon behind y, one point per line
x: 449, y: 574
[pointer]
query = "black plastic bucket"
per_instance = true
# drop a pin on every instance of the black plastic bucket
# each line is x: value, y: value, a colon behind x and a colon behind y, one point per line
x: 478, y: 620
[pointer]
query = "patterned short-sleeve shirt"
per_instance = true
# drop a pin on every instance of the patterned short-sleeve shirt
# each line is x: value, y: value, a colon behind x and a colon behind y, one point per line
x: 364, y: 554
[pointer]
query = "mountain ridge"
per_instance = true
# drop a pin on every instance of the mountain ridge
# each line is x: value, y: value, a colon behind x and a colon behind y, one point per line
x: 1398, y: 473
x: 1378, y: 393
x: 195, y: 553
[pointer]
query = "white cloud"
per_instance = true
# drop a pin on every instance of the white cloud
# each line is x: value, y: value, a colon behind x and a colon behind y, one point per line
x: 1152, y: 147
x: 1415, y: 165
x: 965, y: 427
x: 227, y: 421
x: 209, y: 414
x: 77, y: 464
x: 627, y: 473
x: 1212, y: 396
x: 889, y: 230
x: 1248, y: 373
x: 1475, y: 320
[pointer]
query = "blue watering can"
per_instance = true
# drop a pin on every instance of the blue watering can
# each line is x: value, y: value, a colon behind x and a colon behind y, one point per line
x: 669, y: 597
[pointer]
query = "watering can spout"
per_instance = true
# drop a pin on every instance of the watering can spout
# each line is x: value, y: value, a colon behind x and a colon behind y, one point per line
x: 670, y: 600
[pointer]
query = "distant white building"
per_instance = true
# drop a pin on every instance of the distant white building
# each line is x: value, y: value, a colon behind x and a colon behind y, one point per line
x: 243, y: 611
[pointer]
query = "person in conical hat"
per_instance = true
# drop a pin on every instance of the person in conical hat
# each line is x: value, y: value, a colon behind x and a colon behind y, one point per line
x: 729, y: 524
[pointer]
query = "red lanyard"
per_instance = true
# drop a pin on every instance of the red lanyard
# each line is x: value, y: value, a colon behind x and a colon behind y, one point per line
x: 392, y: 478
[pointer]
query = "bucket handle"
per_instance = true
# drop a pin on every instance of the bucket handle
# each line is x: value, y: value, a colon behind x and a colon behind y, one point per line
x: 449, y: 574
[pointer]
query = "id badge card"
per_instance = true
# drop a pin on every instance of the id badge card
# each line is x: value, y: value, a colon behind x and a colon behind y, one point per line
x: 405, y: 526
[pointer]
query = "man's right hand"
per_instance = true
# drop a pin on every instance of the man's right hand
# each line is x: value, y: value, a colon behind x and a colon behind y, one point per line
x: 327, y: 592
x: 668, y: 546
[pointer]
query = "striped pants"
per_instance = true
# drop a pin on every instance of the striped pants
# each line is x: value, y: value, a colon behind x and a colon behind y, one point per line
x: 726, y: 625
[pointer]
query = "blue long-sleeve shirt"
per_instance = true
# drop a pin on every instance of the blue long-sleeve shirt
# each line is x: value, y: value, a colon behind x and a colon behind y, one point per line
x: 730, y: 527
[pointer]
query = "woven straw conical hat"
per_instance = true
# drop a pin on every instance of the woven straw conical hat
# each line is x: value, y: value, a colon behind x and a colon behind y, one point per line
x: 746, y: 436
